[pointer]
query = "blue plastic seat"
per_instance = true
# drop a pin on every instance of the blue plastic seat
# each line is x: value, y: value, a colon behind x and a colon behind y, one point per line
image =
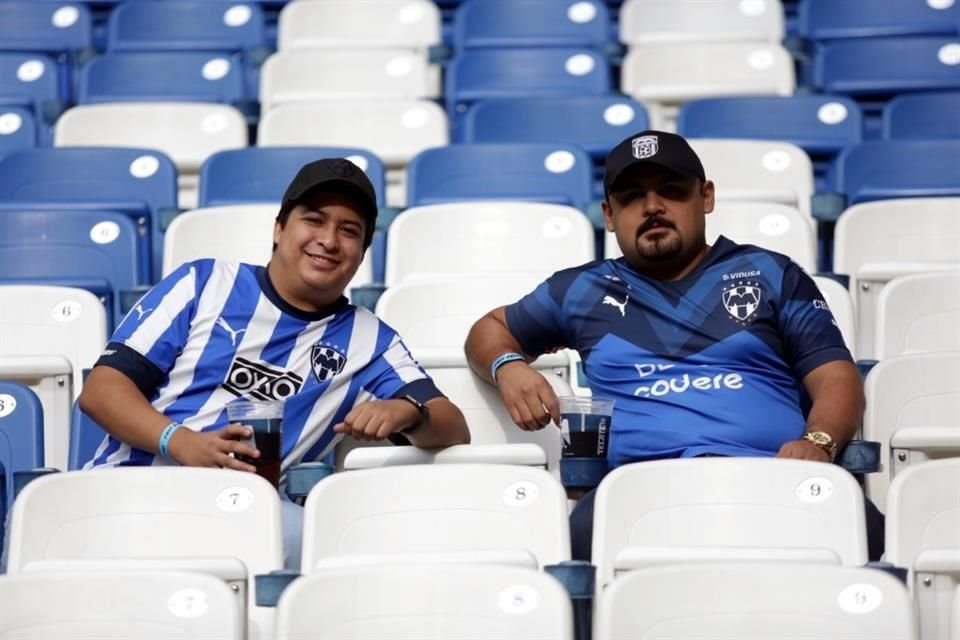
x: 261, y: 174
x: 30, y: 81
x: 85, y: 438
x: 881, y: 170
x: 21, y: 438
x: 185, y: 25
x: 476, y: 74
x: 835, y: 19
x: 92, y: 250
x: 139, y: 183
x: 553, y: 173
x: 47, y: 27
x: 18, y: 130
x: 933, y: 116
x: 163, y: 76
x: 531, y: 23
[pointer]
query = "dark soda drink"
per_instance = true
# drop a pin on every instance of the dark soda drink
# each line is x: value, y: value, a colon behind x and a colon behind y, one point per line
x: 268, y: 438
x: 587, y: 435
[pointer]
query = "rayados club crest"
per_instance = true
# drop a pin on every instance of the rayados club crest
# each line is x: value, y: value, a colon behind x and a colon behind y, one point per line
x: 326, y: 361
x: 645, y: 147
x: 742, y: 299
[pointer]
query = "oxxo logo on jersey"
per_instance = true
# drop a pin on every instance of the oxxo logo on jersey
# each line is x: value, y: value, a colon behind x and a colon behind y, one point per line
x: 664, y: 386
x: 260, y: 382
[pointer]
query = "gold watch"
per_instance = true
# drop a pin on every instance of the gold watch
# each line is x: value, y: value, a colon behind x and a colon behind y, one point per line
x: 823, y: 440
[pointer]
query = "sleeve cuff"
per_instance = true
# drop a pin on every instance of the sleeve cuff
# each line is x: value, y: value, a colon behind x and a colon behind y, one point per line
x: 421, y: 390
x: 141, y: 371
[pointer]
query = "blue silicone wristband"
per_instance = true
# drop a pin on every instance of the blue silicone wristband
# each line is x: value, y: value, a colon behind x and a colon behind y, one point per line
x: 165, y: 436
x: 502, y: 359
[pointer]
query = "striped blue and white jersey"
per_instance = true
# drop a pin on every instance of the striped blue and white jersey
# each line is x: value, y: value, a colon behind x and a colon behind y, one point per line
x: 214, y: 331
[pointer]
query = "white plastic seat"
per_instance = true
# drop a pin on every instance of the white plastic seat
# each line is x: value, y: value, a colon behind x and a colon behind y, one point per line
x: 655, y: 21
x: 664, y: 75
x: 923, y: 535
x: 395, y: 130
x: 703, y: 509
x: 755, y: 601
x: 463, y: 513
x: 955, y: 616
x: 875, y: 242
x: 216, y: 521
x: 919, y: 313
x: 303, y: 75
x: 487, y: 237
x: 432, y: 602
x: 188, y: 132
x: 116, y: 605
x: 347, y: 24
x: 48, y: 336
x: 240, y: 233
x: 913, y: 411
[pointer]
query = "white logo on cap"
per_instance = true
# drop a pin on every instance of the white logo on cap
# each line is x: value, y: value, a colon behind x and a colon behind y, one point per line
x: 645, y: 147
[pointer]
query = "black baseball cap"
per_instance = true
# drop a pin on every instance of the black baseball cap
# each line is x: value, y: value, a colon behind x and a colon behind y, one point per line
x: 652, y: 147
x: 336, y: 175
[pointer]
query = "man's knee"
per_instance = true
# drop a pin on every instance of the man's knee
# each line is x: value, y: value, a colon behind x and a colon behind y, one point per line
x: 581, y: 527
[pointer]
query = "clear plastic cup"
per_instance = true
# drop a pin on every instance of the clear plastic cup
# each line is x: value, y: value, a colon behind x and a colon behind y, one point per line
x: 266, y: 420
x: 585, y: 425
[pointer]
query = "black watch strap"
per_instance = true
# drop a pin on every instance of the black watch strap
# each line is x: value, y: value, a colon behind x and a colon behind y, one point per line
x: 421, y: 408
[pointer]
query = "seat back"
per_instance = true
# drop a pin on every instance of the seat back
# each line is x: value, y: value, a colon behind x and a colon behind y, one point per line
x: 117, y: 604
x: 53, y: 27
x: 30, y: 80
x: 928, y: 116
x: 919, y: 313
x: 828, y: 20
x: 473, y: 510
x: 748, y: 601
x: 185, y: 25
x: 656, y: 21
x: 726, y: 508
x: 21, y: 438
x: 918, y: 392
x: 531, y: 23
x: 437, y: 602
x: 18, y: 129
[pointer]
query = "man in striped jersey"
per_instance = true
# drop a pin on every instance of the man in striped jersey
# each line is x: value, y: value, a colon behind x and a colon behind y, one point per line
x: 214, y: 331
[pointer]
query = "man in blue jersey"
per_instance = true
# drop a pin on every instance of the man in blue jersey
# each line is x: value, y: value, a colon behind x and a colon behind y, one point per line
x: 706, y: 350
x: 214, y: 331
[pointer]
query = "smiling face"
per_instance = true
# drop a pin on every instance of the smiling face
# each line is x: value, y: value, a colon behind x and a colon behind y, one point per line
x: 658, y: 217
x: 318, y: 250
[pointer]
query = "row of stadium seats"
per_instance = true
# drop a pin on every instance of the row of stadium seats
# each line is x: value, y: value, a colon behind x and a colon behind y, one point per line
x: 503, y: 520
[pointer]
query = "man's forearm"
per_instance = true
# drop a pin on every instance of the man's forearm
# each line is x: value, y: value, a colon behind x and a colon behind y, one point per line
x: 488, y: 339
x: 837, y: 395
x: 446, y: 426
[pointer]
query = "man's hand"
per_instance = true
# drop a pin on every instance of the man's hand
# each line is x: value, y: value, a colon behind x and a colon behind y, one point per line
x: 213, y: 448
x: 377, y: 419
x: 803, y: 450
x: 527, y: 395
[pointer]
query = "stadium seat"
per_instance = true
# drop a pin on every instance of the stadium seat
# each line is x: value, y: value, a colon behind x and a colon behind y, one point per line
x: 831, y: 20
x: 755, y: 601
x: 487, y: 237
x: 86, y: 436
x: 531, y: 23
x: 161, y: 76
x: 923, y: 535
x: 137, y: 182
x: 841, y: 306
x: 186, y: 25
x: 775, y: 227
x: 394, y: 130
x: 913, y: 411
x: 661, y: 21
x: 413, y: 25
x: 758, y: 171
x: 311, y: 75
x: 45, y: 27
x: 212, y: 521
x: 872, y: 246
x: 112, y: 605
x: 556, y: 173
x: 469, y: 513
x: 50, y: 335
x: 431, y: 602
x: 476, y: 74
x: 919, y: 313
x: 31, y: 81
x: 595, y: 123
x: 92, y: 250
x: 928, y: 116
x: 187, y: 132
x: 21, y: 439
x: 664, y: 75
x: 261, y: 174
x: 18, y: 130
x: 724, y: 509
x: 241, y: 233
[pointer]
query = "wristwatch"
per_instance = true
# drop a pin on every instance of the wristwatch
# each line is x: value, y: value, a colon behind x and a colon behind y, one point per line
x: 421, y: 407
x: 823, y: 440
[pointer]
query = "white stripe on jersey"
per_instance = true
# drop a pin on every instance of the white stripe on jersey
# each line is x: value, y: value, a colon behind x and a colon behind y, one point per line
x: 157, y: 323
x: 402, y: 361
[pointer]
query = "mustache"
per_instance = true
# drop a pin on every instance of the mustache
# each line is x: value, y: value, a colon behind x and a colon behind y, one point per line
x: 654, y: 223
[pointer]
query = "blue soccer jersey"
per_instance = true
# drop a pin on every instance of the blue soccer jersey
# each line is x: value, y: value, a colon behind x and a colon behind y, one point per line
x: 215, y: 331
x: 711, y: 363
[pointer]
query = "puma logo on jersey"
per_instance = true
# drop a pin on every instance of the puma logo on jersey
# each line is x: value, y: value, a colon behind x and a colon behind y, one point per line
x: 226, y: 327
x: 141, y: 311
x: 622, y: 306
